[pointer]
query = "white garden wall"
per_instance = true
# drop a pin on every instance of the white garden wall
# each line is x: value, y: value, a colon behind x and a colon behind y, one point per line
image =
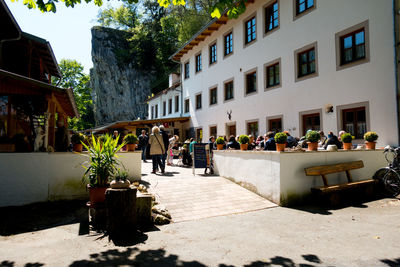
x: 35, y: 177
x: 280, y: 177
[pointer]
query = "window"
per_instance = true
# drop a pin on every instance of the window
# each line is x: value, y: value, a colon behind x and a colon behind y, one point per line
x: 177, y: 103
x: 252, y: 128
x: 250, y: 30
x: 273, y: 75
x: 213, y: 96
x: 304, y: 5
x: 164, y: 112
x: 170, y: 106
x: 355, y: 122
x: 198, y: 63
x: 187, y: 105
x: 251, y: 82
x: 152, y: 112
x: 352, y: 46
x: 213, y: 53
x: 275, y: 125
x: 199, y: 134
x: 306, y: 61
x: 198, y: 101
x: 187, y: 70
x: 228, y: 88
x: 228, y: 44
x: 311, y: 122
x: 156, y: 112
x: 213, y: 131
x: 271, y: 17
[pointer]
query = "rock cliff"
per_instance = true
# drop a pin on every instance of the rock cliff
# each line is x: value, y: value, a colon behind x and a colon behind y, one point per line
x: 119, y: 89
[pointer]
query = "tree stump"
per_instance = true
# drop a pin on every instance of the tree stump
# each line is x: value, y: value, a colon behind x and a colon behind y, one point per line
x: 121, y: 211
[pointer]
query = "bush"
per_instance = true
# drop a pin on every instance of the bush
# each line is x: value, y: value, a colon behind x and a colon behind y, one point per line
x: 346, y: 138
x: 220, y: 141
x: 280, y: 138
x: 121, y: 175
x: 131, y: 139
x: 77, y: 138
x: 370, y: 136
x: 244, y: 139
x: 313, y: 136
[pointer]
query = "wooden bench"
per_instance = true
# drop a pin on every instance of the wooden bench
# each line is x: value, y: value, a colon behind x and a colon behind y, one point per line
x: 336, y: 168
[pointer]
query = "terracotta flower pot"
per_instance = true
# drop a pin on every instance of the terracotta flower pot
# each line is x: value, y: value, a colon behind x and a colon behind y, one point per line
x: 97, y: 195
x: 280, y: 147
x: 220, y: 146
x: 347, y: 146
x: 370, y: 145
x: 130, y: 147
x: 243, y: 146
x: 78, y: 147
x: 312, y: 146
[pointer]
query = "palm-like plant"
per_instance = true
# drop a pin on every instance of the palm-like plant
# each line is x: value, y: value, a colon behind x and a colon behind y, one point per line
x: 103, y: 160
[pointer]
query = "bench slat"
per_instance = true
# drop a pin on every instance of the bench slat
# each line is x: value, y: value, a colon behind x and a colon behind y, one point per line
x: 325, y: 189
x: 327, y: 169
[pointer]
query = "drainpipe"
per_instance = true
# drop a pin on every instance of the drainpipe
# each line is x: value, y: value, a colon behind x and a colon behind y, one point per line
x: 396, y: 63
x: 1, y: 46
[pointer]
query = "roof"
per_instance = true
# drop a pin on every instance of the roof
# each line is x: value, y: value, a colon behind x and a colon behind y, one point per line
x: 123, y: 124
x: 24, y: 85
x: 202, y: 34
x: 175, y: 85
x: 9, y: 26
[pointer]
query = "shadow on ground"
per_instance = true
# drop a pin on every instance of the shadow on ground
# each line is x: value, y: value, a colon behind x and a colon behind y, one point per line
x: 40, y: 216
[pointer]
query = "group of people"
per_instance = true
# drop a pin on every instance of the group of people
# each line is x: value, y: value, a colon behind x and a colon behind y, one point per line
x: 160, y: 145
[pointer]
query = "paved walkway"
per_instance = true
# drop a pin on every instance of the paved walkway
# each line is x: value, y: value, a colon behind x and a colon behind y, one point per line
x: 188, y: 197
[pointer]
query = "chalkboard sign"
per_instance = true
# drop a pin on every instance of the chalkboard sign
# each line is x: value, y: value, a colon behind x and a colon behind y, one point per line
x: 200, y: 155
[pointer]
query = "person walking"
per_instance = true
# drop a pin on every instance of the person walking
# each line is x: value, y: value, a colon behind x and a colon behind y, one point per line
x: 170, y: 156
x: 166, y: 143
x: 143, y: 141
x: 157, y: 149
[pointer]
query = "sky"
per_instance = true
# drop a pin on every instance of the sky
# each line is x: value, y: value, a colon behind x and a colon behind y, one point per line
x: 67, y: 30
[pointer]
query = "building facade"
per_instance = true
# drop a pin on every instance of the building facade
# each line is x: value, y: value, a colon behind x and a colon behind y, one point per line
x: 294, y: 65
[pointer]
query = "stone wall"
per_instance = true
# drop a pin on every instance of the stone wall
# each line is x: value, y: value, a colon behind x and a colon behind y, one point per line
x: 119, y: 89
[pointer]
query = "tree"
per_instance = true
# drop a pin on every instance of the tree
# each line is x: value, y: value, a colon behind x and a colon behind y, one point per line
x: 233, y: 8
x: 73, y: 77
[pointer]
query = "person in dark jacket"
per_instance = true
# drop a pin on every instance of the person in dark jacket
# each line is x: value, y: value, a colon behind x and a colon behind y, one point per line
x: 166, y: 142
x: 232, y: 144
x: 332, y: 140
x: 143, y: 141
x: 270, y: 142
x: 291, y: 141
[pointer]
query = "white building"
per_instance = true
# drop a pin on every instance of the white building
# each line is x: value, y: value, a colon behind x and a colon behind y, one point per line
x: 293, y: 65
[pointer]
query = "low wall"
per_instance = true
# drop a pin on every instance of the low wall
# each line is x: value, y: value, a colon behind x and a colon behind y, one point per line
x: 280, y: 177
x: 35, y: 177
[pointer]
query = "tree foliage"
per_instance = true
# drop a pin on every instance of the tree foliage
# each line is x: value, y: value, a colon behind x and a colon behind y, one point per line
x: 74, y: 77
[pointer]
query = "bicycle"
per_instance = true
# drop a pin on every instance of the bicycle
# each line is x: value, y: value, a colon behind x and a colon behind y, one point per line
x: 389, y: 177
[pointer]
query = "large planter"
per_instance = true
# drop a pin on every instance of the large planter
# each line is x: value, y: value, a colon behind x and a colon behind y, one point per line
x: 130, y: 147
x: 77, y: 147
x: 97, y: 195
x: 347, y: 146
x: 312, y: 146
x: 243, y: 146
x: 370, y: 145
x: 220, y: 146
x: 280, y: 147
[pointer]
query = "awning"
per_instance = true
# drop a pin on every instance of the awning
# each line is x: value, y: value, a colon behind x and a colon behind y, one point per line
x: 14, y: 84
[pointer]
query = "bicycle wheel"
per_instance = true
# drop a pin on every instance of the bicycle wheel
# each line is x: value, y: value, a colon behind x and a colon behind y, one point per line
x: 391, y: 182
x: 379, y: 174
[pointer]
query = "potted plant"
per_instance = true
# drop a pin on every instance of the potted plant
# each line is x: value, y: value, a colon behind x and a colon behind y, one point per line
x: 312, y: 140
x: 101, y: 166
x: 220, y: 143
x: 77, y: 139
x: 244, y: 141
x: 346, y: 139
x: 280, y: 140
x: 131, y: 140
x: 120, y: 180
x: 370, y: 140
